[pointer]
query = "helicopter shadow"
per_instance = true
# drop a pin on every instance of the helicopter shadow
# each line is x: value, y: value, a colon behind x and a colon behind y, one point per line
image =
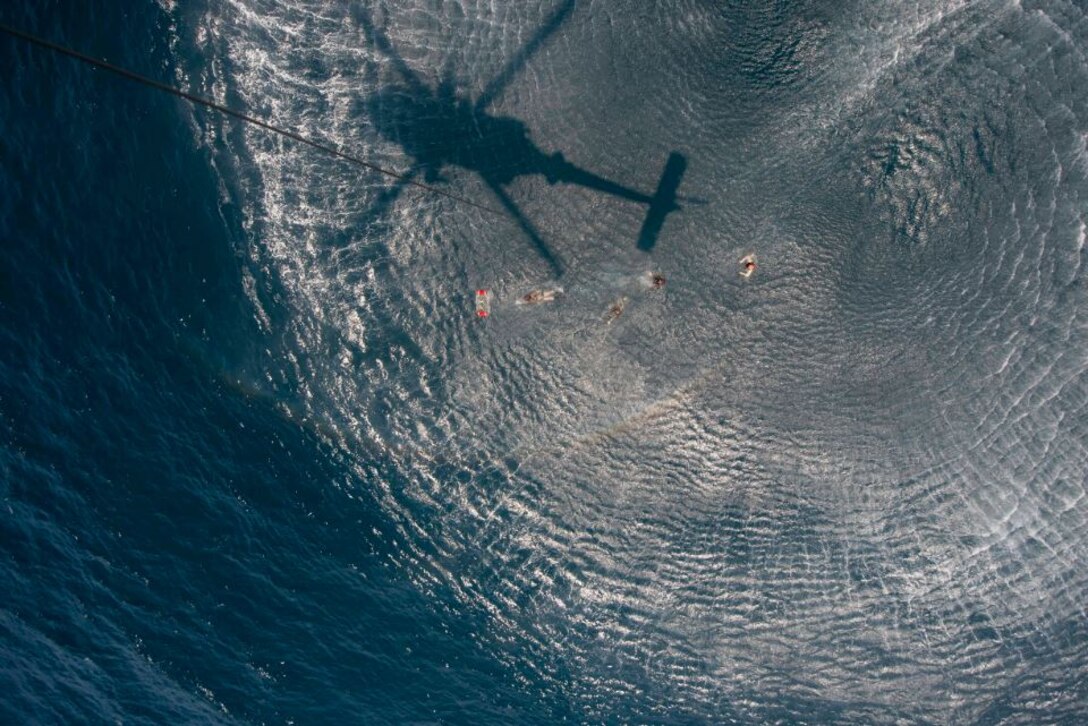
x: 440, y: 127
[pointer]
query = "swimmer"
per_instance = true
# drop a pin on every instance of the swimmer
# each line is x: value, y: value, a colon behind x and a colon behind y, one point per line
x: 748, y: 263
x: 535, y: 297
x: 615, y: 310
x: 657, y: 281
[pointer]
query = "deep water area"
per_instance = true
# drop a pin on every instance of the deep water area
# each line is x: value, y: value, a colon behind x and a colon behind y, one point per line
x: 260, y: 462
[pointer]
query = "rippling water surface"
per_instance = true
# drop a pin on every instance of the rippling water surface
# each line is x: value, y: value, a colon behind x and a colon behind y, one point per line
x: 262, y: 464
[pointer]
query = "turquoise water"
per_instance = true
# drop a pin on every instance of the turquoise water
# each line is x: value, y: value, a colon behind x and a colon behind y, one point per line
x: 261, y: 463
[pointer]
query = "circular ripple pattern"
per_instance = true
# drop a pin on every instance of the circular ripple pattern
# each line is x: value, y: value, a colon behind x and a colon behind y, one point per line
x: 851, y: 487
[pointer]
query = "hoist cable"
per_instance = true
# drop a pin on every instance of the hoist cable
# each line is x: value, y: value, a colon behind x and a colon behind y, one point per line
x: 226, y: 110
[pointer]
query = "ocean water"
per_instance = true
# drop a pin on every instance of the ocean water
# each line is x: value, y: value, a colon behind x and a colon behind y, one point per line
x: 260, y: 463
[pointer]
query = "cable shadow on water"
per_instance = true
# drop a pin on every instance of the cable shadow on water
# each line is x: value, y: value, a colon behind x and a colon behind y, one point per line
x: 439, y: 126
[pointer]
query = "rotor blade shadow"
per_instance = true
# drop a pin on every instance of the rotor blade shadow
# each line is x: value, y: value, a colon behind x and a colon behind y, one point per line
x: 499, y: 83
x: 353, y: 255
x: 388, y: 196
x: 541, y: 247
x: 379, y: 40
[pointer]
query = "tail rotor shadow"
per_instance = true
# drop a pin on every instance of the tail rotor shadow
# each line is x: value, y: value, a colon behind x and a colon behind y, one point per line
x: 663, y: 201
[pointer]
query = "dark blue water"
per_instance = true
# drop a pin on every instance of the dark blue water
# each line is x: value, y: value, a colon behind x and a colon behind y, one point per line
x: 260, y: 463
